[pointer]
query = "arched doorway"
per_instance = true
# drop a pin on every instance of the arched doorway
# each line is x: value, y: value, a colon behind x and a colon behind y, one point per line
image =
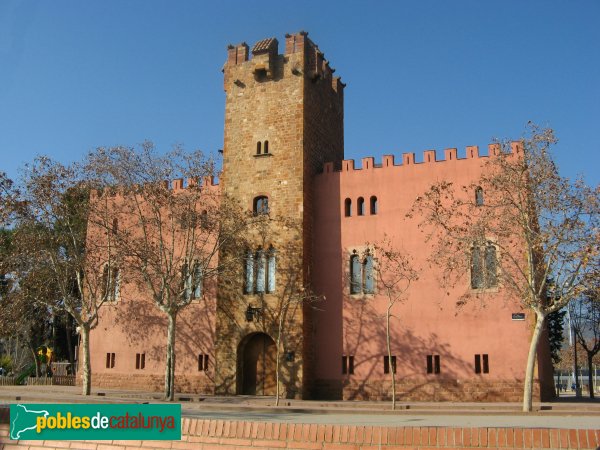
x: 256, y: 365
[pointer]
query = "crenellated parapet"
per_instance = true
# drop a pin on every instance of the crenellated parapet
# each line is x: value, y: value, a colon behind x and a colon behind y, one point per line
x: 429, y: 157
x: 301, y: 57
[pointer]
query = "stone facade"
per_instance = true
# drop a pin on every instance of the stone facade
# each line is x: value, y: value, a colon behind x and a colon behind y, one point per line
x: 283, y: 142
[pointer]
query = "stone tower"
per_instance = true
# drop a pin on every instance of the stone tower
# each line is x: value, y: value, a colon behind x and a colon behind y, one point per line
x: 283, y: 120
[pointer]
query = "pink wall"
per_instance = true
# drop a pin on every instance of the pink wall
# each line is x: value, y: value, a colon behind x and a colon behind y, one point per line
x: 428, y: 322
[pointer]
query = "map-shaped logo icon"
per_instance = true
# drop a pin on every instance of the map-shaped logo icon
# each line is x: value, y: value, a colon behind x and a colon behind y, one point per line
x: 24, y: 420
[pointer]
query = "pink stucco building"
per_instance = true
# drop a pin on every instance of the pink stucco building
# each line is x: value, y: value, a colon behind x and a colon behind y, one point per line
x: 283, y: 147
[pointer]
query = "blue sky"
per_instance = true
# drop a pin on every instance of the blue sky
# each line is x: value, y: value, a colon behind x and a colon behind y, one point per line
x: 420, y: 74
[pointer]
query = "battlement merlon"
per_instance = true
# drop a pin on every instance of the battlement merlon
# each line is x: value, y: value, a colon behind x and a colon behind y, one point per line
x: 302, y: 57
x: 429, y: 156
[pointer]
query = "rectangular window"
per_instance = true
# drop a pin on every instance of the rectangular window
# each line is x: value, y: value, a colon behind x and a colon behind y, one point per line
x: 433, y: 364
x: 386, y: 364
x: 482, y: 364
x: 140, y: 361
x: 110, y: 360
x: 347, y: 365
x: 202, y: 363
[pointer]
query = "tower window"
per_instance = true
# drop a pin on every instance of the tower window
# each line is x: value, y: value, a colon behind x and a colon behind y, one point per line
x: 360, y: 206
x: 478, y: 196
x: 260, y: 271
x: 368, y: 281
x: 258, y: 147
x: 110, y: 360
x: 373, y: 205
x: 115, y: 226
x: 348, y: 207
x: 266, y: 147
x: 355, y: 275
x: 484, y: 267
x: 261, y: 205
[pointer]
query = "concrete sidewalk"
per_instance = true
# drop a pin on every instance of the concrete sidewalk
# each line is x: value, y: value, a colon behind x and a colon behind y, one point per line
x: 196, y: 402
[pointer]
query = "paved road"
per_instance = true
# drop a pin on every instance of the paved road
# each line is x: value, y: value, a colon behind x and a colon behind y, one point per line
x: 405, y: 419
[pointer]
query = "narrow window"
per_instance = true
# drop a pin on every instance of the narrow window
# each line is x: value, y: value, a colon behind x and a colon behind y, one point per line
x: 111, y: 283
x: 355, y: 275
x: 491, y: 266
x: 140, y: 361
x: 373, y: 205
x: 486, y: 364
x: 477, y: 363
x: 186, y: 282
x: 348, y: 207
x: 344, y: 365
x: 478, y: 196
x: 433, y: 364
x: 115, y: 226
x: 110, y: 360
x: 386, y: 364
x: 360, y: 206
x: 197, y: 281
x: 368, y: 280
x: 258, y: 144
x: 266, y: 147
x: 260, y: 271
x: 204, y: 220
x: 347, y: 365
x: 271, y: 261
x: 261, y: 205
x: 202, y: 363
x: 477, y: 278
x: 249, y: 273
x: 350, y: 365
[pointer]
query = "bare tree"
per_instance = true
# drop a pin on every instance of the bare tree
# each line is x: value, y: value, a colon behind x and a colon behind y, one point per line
x: 395, y: 274
x: 169, y: 234
x: 519, y: 226
x: 51, y: 213
x: 585, y: 320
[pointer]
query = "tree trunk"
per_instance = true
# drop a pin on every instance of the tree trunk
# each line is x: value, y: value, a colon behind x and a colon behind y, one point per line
x: 590, y: 356
x: 85, y: 360
x: 528, y: 385
x: 389, y: 355
x: 170, y: 368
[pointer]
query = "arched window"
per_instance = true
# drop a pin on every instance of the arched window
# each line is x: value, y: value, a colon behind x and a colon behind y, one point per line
x: 260, y: 271
x: 360, y: 206
x: 204, y: 219
x: 197, y: 281
x: 478, y: 196
x: 115, y: 226
x: 484, y: 267
x: 368, y: 279
x: 271, y: 261
x: 266, y: 147
x: 261, y: 205
x: 491, y: 266
x: 111, y: 283
x: 258, y: 145
x: 355, y: 275
x: 249, y: 273
x: 373, y: 205
x: 348, y: 207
